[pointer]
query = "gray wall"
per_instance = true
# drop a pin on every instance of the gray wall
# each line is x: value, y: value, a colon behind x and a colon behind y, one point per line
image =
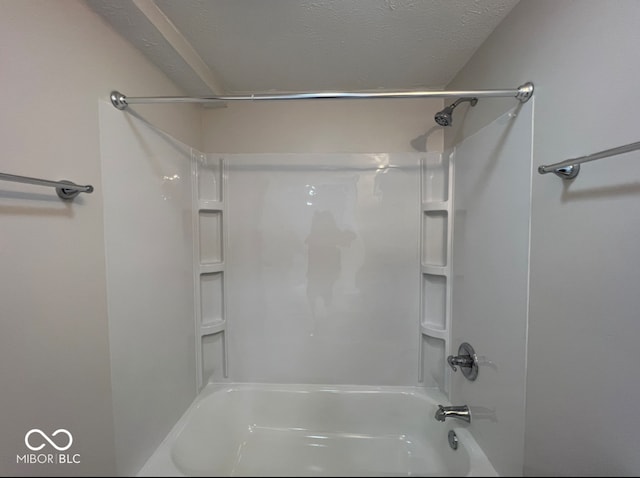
x: 582, y: 380
x: 57, y: 60
x: 356, y: 126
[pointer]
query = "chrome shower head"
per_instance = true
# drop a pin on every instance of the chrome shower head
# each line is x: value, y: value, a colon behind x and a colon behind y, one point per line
x: 445, y: 117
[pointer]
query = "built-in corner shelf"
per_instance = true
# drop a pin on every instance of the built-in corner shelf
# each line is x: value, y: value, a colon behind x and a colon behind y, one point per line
x: 210, y: 205
x: 435, y: 265
x: 208, y: 191
x: 435, y: 270
x: 433, y: 206
x: 434, y: 332
x: 213, y: 328
x: 211, y: 268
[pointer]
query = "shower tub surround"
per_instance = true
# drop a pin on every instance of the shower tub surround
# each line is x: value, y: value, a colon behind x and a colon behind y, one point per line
x: 327, y: 247
x: 315, y: 430
x: 306, y: 271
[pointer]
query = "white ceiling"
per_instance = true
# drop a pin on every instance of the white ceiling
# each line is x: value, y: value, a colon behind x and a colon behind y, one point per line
x: 253, y: 46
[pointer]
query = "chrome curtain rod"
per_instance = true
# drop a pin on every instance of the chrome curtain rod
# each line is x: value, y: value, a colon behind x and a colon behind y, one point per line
x: 522, y: 93
x: 570, y: 168
x: 65, y: 189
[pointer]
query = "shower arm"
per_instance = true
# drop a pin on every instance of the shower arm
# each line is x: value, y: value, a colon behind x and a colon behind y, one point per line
x: 472, y: 101
x: 522, y: 93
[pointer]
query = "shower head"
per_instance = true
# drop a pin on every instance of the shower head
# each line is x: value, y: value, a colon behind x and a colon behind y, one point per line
x: 445, y: 117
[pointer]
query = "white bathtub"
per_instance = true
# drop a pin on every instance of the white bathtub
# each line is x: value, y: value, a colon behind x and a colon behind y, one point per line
x: 314, y: 430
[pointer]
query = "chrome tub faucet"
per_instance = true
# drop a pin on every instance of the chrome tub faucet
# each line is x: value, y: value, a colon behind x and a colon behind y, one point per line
x: 461, y: 413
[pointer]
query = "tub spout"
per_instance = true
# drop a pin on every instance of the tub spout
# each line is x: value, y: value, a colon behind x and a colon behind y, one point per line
x: 462, y: 413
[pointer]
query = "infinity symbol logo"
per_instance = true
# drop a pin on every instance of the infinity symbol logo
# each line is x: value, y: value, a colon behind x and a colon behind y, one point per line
x: 38, y: 448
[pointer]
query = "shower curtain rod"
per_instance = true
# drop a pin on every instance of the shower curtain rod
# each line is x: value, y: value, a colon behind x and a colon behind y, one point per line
x: 522, y: 93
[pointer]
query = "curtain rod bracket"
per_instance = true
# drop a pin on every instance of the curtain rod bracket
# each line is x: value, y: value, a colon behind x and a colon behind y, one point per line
x: 118, y: 100
x: 525, y: 92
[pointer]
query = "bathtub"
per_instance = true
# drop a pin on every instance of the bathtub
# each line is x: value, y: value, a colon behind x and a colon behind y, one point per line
x: 315, y: 430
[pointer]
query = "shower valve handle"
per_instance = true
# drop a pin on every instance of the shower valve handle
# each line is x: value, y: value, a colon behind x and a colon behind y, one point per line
x: 467, y: 360
x: 460, y: 360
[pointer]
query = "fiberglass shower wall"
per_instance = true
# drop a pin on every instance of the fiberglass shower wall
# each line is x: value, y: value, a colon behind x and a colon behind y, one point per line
x: 490, y: 268
x: 321, y: 267
x: 325, y: 292
x: 146, y: 185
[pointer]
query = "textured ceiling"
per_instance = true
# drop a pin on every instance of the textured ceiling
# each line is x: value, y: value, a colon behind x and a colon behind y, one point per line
x: 314, y: 45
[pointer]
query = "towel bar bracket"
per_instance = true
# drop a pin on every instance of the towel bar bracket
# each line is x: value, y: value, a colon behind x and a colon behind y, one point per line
x: 570, y: 168
x: 68, y: 194
x: 567, y: 172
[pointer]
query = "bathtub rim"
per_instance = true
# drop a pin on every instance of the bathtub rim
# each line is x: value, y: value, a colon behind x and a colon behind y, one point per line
x: 161, y: 463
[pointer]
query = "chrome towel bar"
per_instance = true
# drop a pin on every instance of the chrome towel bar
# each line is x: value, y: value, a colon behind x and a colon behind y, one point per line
x: 66, y: 189
x: 570, y: 168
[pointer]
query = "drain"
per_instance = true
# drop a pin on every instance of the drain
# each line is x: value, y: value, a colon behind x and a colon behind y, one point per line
x: 453, y: 440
